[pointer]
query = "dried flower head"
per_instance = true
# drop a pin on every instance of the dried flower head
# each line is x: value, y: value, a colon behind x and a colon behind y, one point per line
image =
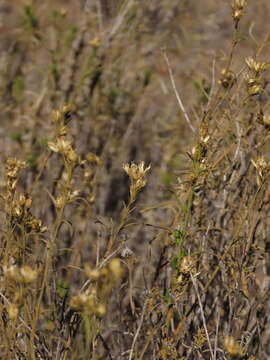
x: 21, y: 215
x: 93, y: 300
x: 63, y: 12
x: 13, y: 166
x: 28, y: 274
x: 60, y: 145
x: 23, y: 275
x: 255, y: 66
x: 101, y: 310
x: 113, y: 271
x: 92, y: 274
x: 93, y: 159
x: 254, y: 86
x: 127, y: 252
x: 13, y: 311
x: 227, y: 78
x: 63, y: 115
x: 237, y: 11
x: 63, y: 147
x: 187, y: 265
x: 200, y: 339
x: 233, y: 348
x: 262, y: 168
x: 85, y: 302
x: 116, y: 268
x: 136, y: 173
x: 260, y: 164
x: 34, y: 224
x: 88, y: 303
x: 266, y: 120
x: 95, y: 43
x: 56, y: 116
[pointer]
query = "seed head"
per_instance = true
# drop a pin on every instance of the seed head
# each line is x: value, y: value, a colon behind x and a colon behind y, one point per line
x: 136, y: 173
x: 116, y: 268
x: 233, y: 348
x: 260, y: 163
x: 254, y: 86
x: 13, y: 166
x: 92, y: 274
x: 127, y: 253
x: 266, y: 120
x: 237, y: 10
x: 28, y: 274
x: 23, y: 275
x: 63, y: 147
x: 87, y: 302
x: 63, y: 115
x: 101, y: 310
x: 262, y: 168
x: 255, y: 66
x: 93, y: 159
x: 95, y: 43
x: 13, y: 311
x: 227, y: 79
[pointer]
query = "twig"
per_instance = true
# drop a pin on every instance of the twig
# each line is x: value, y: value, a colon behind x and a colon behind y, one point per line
x: 119, y: 20
x: 138, y: 330
x: 202, y: 314
x: 216, y: 337
x: 212, y: 85
x: 177, y: 93
x: 238, y: 141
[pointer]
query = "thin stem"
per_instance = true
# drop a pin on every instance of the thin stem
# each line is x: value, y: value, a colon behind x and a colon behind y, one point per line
x: 202, y: 314
x: 177, y: 93
x: 138, y: 330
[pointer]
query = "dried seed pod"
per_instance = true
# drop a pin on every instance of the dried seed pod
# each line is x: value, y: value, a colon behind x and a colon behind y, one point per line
x: 227, y: 79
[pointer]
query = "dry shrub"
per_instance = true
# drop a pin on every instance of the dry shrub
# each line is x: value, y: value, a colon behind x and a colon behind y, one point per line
x: 134, y: 185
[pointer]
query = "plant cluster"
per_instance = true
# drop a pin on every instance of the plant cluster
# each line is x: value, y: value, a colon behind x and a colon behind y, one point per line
x: 134, y: 217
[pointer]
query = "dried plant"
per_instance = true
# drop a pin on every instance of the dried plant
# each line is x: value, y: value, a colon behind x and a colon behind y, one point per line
x: 104, y: 256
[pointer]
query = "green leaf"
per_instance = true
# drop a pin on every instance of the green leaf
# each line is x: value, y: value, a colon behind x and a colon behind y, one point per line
x: 168, y: 296
x: 174, y: 262
x: 62, y: 288
x: 18, y: 86
x: 71, y: 33
x: 166, y: 178
x: 179, y: 236
x: 147, y: 76
x: 16, y: 136
x: 29, y: 18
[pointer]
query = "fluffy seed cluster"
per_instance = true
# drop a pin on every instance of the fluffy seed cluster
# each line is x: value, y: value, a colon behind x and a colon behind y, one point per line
x: 233, y: 348
x: 93, y: 300
x: 21, y: 275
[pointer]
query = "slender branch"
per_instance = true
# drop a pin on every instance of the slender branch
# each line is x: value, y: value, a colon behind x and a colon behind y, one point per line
x: 216, y: 337
x: 177, y: 93
x: 138, y: 329
x: 202, y: 314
